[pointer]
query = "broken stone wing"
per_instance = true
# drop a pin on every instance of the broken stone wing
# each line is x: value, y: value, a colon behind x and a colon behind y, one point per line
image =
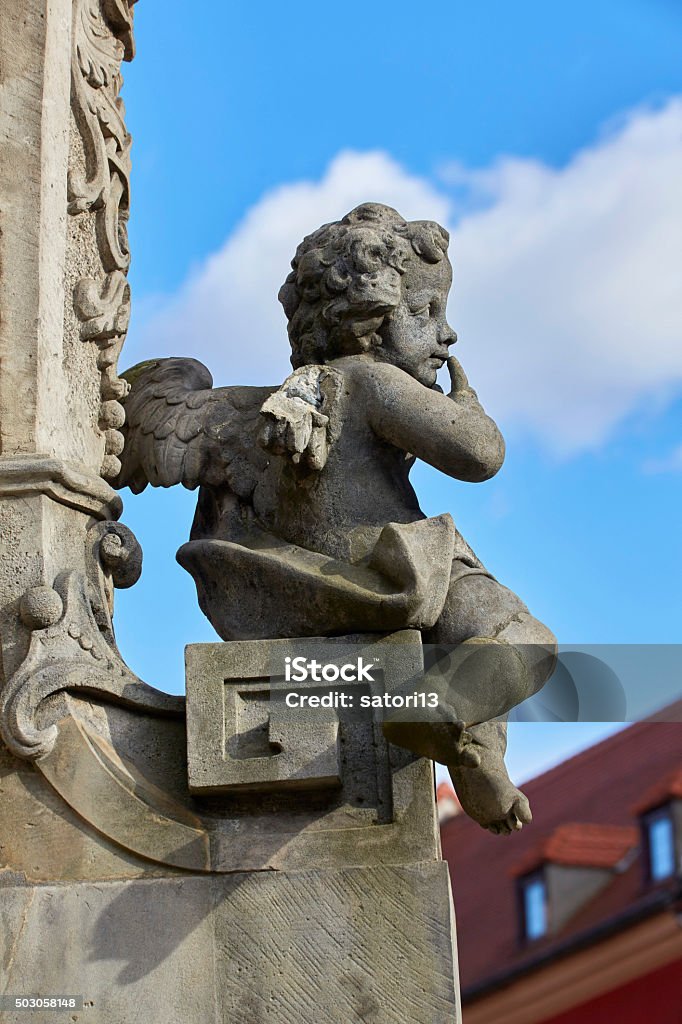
x: 294, y: 425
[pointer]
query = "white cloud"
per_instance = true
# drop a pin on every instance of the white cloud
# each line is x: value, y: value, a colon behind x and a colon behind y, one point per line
x: 567, y: 294
x: 227, y: 314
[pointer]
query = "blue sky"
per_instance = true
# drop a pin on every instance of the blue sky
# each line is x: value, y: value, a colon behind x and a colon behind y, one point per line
x: 549, y: 138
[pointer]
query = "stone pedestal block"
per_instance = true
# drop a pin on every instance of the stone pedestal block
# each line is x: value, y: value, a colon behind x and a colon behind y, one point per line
x: 286, y: 905
x: 357, y: 946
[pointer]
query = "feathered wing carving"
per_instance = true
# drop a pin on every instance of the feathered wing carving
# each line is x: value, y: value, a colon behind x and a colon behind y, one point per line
x: 181, y: 430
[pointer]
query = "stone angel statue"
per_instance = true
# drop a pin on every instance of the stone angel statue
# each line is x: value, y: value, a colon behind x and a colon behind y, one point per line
x: 307, y: 523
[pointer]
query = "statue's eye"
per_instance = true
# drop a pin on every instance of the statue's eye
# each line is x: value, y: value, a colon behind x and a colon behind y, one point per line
x: 424, y: 311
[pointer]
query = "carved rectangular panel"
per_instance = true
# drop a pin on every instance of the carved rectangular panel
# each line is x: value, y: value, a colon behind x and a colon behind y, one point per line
x: 242, y: 733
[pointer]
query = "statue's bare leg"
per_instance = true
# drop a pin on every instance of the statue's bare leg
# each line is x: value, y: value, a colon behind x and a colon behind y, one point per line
x: 501, y: 655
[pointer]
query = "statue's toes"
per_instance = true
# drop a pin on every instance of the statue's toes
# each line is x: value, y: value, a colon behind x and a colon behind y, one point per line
x: 499, y: 828
x: 519, y: 815
x: 521, y: 809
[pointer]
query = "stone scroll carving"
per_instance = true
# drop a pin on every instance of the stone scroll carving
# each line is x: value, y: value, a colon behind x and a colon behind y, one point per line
x: 103, y: 38
x: 72, y: 646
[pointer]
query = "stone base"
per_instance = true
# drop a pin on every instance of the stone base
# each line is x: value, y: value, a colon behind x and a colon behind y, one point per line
x: 164, y: 906
x: 355, y: 946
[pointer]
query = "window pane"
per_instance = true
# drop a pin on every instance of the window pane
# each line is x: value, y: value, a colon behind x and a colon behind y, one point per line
x: 535, y: 908
x: 661, y: 848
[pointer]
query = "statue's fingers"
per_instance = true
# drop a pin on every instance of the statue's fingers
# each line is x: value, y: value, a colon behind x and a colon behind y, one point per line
x: 458, y: 377
x: 317, y: 450
x: 319, y: 419
x: 278, y: 428
x: 274, y: 435
x: 289, y: 436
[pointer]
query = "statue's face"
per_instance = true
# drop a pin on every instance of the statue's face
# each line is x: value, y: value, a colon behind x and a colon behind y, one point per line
x: 416, y: 334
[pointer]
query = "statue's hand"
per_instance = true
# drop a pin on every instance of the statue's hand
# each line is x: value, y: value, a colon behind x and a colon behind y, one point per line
x: 460, y: 389
x: 293, y: 428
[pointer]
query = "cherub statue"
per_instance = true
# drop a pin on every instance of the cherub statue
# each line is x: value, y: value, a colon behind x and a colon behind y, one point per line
x: 307, y: 524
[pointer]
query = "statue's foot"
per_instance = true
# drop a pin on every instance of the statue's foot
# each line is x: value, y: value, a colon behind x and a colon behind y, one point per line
x: 474, y: 757
x: 444, y: 741
x: 488, y: 795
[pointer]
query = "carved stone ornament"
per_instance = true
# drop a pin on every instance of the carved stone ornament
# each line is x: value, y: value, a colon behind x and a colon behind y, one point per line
x: 71, y: 484
x: 72, y: 646
x: 104, y: 310
x: 103, y: 38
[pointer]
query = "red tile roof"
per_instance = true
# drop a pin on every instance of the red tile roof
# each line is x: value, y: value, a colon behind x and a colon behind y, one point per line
x: 669, y: 788
x: 445, y: 791
x: 599, y: 787
x: 580, y: 845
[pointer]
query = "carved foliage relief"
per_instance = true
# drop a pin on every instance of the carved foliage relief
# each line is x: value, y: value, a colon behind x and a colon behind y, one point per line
x: 103, y: 38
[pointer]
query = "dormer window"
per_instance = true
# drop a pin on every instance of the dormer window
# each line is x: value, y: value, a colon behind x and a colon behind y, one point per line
x: 565, y: 871
x: 534, y: 906
x: 659, y: 831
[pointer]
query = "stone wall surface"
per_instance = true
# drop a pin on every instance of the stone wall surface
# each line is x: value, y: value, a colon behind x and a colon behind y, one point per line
x: 356, y: 945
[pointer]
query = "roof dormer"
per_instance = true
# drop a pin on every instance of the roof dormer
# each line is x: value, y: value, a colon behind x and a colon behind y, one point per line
x: 566, y: 870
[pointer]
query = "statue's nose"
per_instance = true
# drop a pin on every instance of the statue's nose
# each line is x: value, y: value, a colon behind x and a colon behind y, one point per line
x: 446, y: 335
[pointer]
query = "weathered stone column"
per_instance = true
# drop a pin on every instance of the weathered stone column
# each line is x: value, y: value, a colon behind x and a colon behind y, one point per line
x: 117, y: 883
x: 63, y: 293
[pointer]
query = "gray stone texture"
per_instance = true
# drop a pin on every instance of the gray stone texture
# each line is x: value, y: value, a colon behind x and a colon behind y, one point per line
x: 368, y: 945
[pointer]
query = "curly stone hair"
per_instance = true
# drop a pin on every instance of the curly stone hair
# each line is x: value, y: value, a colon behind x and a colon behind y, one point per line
x: 346, y: 279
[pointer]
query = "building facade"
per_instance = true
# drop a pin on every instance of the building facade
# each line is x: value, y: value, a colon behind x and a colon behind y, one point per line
x: 578, y: 918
